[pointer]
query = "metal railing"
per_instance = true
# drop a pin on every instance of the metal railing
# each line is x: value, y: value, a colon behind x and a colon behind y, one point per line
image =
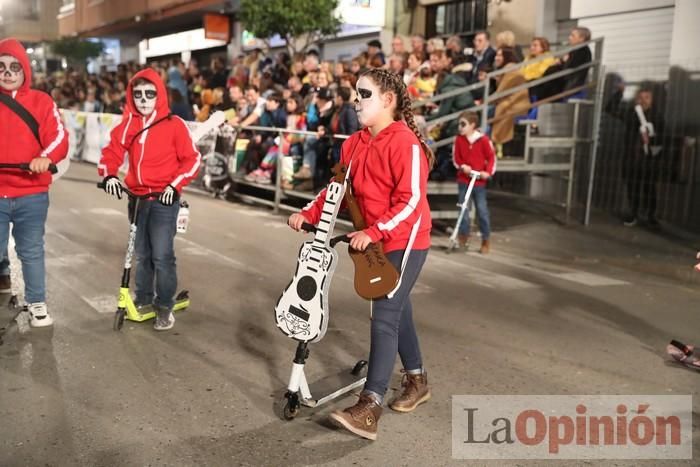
x: 488, y: 100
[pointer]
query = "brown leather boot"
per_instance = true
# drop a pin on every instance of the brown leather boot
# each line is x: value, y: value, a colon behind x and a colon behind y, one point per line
x: 485, y: 247
x: 415, y: 392
x: 463, y: 240
x: 361, y: 418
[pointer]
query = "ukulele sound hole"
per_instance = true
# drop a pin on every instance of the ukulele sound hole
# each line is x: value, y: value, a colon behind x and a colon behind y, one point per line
x: 306, y: 288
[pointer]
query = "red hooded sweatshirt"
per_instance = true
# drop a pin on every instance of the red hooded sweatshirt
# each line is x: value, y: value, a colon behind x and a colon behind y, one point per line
x: 389, y: 175
x: 476, y: 152
x: 17, y: 142
x: 163, y: 154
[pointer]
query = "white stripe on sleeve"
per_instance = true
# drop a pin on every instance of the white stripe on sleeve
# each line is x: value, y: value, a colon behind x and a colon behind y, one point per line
x: 415, y: 194
x: 59, y: 127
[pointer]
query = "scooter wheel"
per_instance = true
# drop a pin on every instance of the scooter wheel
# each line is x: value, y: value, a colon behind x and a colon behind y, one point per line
x: 290, y: 412
x: 291, y: 406
x: 118, y: 319
x: 359, y: 366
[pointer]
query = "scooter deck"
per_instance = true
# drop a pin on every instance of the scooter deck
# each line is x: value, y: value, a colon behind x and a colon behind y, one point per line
x: 147, y: 312
x: 332, y: 387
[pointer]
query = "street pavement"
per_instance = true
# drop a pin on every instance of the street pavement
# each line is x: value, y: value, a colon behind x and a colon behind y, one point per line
x: 554, y: 309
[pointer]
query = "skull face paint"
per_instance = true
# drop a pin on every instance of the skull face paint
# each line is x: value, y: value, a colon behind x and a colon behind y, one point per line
x: 368, y: 103
x: 11, y: 73
x: 145, y: 98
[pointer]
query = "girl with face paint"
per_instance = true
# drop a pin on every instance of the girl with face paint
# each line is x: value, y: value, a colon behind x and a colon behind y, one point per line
x: 162, y: 159
x: 388, y: 164
x: 24, y: 197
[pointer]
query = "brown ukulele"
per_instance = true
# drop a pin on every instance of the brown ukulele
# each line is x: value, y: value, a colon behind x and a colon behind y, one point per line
x: 375, y: 276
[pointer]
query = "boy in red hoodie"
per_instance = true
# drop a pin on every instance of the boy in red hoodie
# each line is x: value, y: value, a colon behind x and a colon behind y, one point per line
x: 162, y: 159
x: 473, y: 151
x: 24, y: 198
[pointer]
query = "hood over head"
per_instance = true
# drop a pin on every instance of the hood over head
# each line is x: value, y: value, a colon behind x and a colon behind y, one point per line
x: 13, y: 47
x: 162, y: 108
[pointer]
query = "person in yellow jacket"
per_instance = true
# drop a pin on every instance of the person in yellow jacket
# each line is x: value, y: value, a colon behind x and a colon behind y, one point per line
x: 538, y: 47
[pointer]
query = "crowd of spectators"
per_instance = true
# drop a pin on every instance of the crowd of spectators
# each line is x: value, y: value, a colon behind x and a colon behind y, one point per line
x: 307, y: 93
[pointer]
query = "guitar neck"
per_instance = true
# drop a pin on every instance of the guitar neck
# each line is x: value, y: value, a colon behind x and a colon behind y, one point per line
x: 331, y: 205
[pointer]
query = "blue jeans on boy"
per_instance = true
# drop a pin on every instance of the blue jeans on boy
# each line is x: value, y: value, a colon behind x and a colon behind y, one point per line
x: 155, y: 254
x: 482, y: 211
x: 28, y: 217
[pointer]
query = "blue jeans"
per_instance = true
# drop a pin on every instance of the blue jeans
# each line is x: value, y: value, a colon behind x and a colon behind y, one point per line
x: 5, y: 264
x: 482, y: 210
x: 392, y: 328
x: 28, y: 217
x: 156, y: 274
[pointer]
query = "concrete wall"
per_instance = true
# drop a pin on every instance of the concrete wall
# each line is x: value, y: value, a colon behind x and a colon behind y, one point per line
x: 686, y: 35
x: 584, y: 8
x: 43, y: 29
x: 518, y: 16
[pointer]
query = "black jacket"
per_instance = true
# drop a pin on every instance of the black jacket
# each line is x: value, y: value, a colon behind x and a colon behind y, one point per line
x: 577, y: 58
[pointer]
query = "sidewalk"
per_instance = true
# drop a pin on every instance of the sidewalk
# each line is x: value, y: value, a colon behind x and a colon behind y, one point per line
x: 537, y: 231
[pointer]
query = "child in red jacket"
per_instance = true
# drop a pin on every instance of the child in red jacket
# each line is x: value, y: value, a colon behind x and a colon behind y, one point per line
x: 388, y: 165
x: 24, y: 197
x: 162, y: 159
x: 473, y: 151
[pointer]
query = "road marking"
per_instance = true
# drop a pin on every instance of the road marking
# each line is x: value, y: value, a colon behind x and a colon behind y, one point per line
x: 479, y: 276
x: 102, y: 303
x: 106, y: 212
x: 559, y: 272
x: 591, y: 280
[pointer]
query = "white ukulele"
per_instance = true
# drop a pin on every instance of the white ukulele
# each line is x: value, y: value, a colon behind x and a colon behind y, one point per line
x: 302, y: 311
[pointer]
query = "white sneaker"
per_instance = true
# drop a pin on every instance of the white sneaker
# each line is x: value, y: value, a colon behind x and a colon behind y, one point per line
x: 39, y: 315
x: 164, y: 321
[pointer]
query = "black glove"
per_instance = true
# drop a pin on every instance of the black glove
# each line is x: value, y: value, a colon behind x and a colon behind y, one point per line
x: 113, y: 186
x: 169, y: 196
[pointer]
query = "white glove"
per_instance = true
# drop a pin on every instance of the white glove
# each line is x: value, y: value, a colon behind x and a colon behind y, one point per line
x: 113, y: 186
x: 168, y: 196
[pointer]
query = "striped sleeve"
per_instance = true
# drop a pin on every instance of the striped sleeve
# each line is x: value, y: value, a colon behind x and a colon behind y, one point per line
x: 188, y: 156
x: 410, y: 168
x: 53, y: 135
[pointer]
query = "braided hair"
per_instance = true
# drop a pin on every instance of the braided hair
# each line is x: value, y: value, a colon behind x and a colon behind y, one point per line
x: 388, y: 81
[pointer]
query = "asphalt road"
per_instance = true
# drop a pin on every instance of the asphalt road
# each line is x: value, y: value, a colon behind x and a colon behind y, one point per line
x: 208, y: 392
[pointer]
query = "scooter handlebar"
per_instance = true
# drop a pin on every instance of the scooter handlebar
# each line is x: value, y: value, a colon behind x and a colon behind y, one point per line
x: 131, y: 194
x: 306, y: 227
x: 25, y: 166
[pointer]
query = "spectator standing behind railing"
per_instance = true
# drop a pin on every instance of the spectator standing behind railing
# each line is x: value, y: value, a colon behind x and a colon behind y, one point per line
x: 511, y: 106
x: 441, y: 64
x: 643, y: 155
